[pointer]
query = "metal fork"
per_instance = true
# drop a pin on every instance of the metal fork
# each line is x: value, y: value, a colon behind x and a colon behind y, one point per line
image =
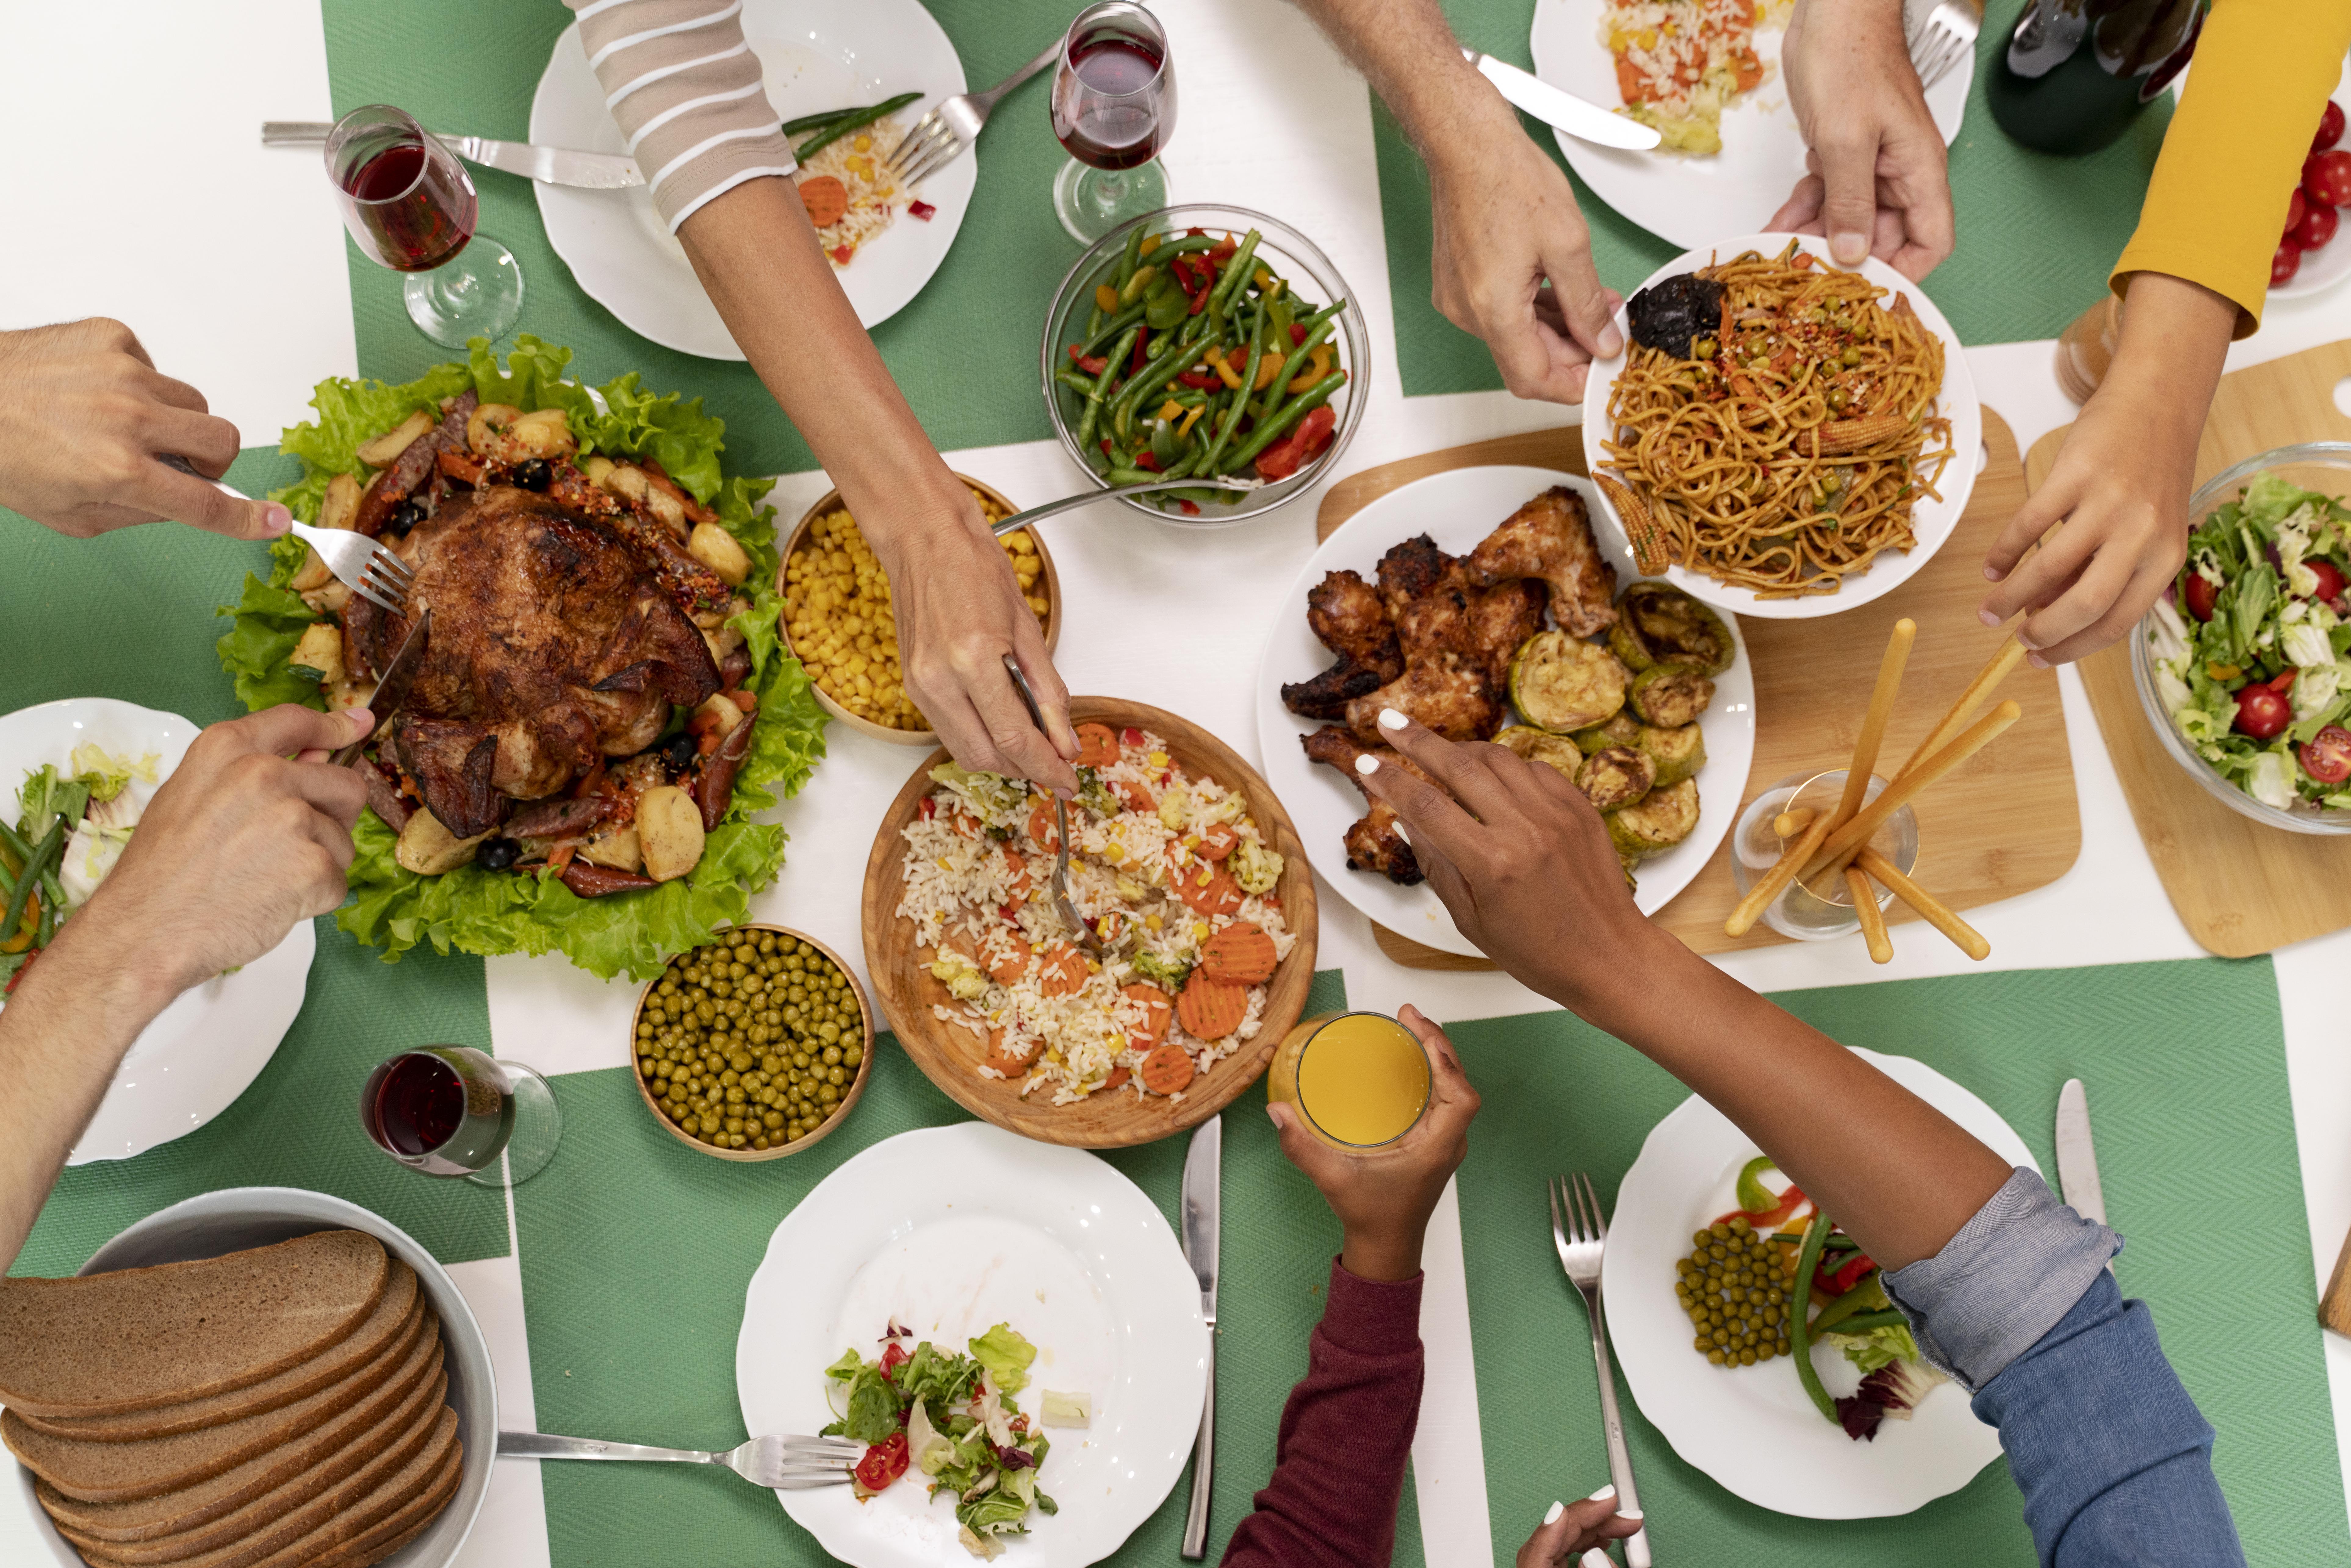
x: 774, y: 1462
x: 939, y: 138
x: 1945, y: 38
x: 1581, y: 1237
x: 368, y: 567
x: 1063, y: 904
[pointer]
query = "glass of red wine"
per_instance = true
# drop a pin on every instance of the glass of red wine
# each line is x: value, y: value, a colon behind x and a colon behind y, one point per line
x: 410, y: 207
x: 450, y: 1111
x: 1114, y: 108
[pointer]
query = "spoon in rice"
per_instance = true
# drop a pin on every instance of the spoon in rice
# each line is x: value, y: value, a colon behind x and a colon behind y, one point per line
x: 1064, y: 904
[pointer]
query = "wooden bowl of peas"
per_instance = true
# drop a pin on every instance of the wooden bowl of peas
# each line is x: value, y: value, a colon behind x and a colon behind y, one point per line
x: 804, y: 1031
x: 824, y: 639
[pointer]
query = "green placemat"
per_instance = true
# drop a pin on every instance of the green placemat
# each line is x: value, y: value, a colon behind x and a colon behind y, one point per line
x: 965, y: 349
x: 636, y: 1252
x: 2037, y: 234
x: 2186, y: 1066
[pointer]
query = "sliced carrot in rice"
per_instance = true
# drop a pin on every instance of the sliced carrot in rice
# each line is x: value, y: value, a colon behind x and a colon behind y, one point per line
x: 1022, y: 880
x: 826, y: 198
x: 1117, y: 1079
x: 1064, y: 972
x: 1239, y: 955
x: 1156, y: 1011
x: 1011, y: 966
x: 1206, y: 887
x: 1136, y: 797
x: 1097, y: 746
x: 1210, y: 1010
x: 1167, y: 1071
x: 1042, y: 831
x: 1011, y: 1057
x: 1217, y: 842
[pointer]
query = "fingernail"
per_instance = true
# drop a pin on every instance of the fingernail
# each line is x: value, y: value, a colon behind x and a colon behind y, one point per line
x: 275, y: 520
x: 2036, y: 661
x: 1551, y: 1515
x: 1597, y: 1558
x: 1367, y: 765
x: 1404, y: 833
x: 1612, y: 342
x: 1632, y: 1513
x: 1993, y: 574
x: 1986, y: 616
x: 1391, y: 719
x: 2027, y: 638
x: 1849, y: 248
x: 1273, y: 1116
x: 1603, y: 1495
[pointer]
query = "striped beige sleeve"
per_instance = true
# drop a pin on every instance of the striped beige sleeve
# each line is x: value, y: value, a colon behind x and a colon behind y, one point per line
x: 686, y: 90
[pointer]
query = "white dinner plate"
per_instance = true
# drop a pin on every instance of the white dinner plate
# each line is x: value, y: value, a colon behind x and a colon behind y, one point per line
x: 1753, y: 1429
x: 1932, y: 519
x: 948, y: 1230
x: 203, y: 1050
x: 815, y: 57
x: 1457, y: 510
x: 1685, y: 197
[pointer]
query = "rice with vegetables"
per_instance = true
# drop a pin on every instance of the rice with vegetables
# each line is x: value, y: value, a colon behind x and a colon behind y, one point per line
x: 1167, y: 867
x: 875, y: 195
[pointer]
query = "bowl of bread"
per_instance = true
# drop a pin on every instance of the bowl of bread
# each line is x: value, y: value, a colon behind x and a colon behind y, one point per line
x: 253, y: 1377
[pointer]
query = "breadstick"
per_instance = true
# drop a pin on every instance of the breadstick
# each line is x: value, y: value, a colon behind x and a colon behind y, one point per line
x: 1759, y: 897
x: 2003, y: 661
x: 1894, y: 796
x: 1932, y: 910
x: 1873, y: 724
x: 1793, y: 820
x: 1873, y: 919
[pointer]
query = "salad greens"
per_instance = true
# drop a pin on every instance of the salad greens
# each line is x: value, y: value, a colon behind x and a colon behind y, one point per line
x: 2260, y: 605
x: 952, y: 1418
x: 70, y: 829
x: 473, y: 909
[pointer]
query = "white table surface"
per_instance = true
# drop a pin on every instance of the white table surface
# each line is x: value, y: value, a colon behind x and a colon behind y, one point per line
x: 255, y: 323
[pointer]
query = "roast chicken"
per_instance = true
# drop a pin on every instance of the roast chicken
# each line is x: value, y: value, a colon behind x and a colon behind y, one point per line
x: 1550, y: 539
x: 1374, y: 844
x: 1457, y: 640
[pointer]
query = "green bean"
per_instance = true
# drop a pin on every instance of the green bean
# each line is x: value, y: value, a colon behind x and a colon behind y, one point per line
x: 1232, y: 419
x: 1138, y: 286
x: 1126, y: 263
x: 1863, y: 1323
x: 1116, y: 358
x: 1868, y: 1295
x: 1273, y: 429
x: 1130, y: 475
x: 851, y: 121
x: 1189, y: 245
x: 16, y: 842
x: 29, y: 878
x: 1082, y: 385
x: 1800, y: 1343
x: 1221, y: 299
x: 1150, y: 379
x: 1112, y: 326
x: 1093, y: 320
x: 1318, y: 327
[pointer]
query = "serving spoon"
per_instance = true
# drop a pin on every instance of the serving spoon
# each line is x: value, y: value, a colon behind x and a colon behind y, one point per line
x: 1071, y: 503
x: 1063, y: 904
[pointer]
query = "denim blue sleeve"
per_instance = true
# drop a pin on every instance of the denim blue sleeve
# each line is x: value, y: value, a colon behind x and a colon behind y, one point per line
x: 2112, y: 1456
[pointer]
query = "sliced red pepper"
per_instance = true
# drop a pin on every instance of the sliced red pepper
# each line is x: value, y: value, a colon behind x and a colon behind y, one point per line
x: 1093, y: 364
x: 1289, y: 454
x: 22, y: 970
x: 2285, y: 683
x: 1147, y: 462
x: 1194, y: 233
x: 1199, y: 303
x: 1130, y: 735
x: 1190, y: 508
x: 1297, y: 334
x: 1196, y: 379
x: 1011, y: 913
x: 841, y: 253
x: 1104, y: 445
x: 930, y: 807
x: 1847, y: 1276
x: 923, y: 210
x: 1140, y: 338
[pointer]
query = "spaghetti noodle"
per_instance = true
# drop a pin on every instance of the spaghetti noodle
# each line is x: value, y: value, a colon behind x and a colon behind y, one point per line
x: 1788, y: 450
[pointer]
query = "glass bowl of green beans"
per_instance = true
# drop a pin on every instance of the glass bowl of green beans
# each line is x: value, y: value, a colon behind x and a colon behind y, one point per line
x: 753, y: 1046
x: 1205, y: 340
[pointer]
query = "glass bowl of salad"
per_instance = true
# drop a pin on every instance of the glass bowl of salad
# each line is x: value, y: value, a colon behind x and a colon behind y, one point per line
x: 1159, y: 415
x: 2244, y: 665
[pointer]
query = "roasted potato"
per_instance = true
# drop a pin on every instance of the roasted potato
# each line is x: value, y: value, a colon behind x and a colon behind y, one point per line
x: 1615, y: 775
x: 714, y: 548
x: 669, y: 832
x: 1623, y: 730
x: 337, y: 510
x: 380, y: 452
x: 1678, y: 753
x: 428, y: 849
x: 723, y: 715
x: 619, y: 850
x: 485, y: 424
x: 321, y: 650
x: 1563, y: 685
x: 1541, y: 745
x: 1670, y: 695
x: 1659, y: 624
x: 627, y: 481
x: 1657, y: 822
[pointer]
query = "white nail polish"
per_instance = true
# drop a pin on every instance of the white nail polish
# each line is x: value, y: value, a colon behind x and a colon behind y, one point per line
x: 1598, y: 1558
x: 1551, y: 1516
x: 1391, y: 719
x: 1404, y: 833
x: 1367, y: 765
x: 1603, y: 1494
x: 1635, y: 1514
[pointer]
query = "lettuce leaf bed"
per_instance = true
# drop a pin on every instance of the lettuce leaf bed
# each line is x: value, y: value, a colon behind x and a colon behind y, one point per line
x: 487, y: 911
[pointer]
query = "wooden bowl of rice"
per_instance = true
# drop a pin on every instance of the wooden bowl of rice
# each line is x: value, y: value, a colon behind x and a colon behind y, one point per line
x: 833, y: 674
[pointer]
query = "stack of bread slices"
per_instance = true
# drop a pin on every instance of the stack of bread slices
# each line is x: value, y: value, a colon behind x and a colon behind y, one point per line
x: 280, y: 1407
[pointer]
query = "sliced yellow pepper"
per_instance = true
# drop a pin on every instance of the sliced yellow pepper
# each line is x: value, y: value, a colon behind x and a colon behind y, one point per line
x: 1227, y: 375
x: 1267, y: 369
x: 1150, y: 243
x: 1318, y: 365
x: 1191, y: 418
x: 1106, y: 298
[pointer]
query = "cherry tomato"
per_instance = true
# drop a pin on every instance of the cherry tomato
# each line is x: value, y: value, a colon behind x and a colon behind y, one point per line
x: 2296, y: 204
x: 2326, y: 177
x: 2330, y: 579
x: 2262, y: 713
x: 2327, y: 757
x: 2285, y: 263
x: 2330, y: 127
x: 2199, y: 598
x: 2317, y: 226
x: 883, y: 1462
x: 894, y: 1356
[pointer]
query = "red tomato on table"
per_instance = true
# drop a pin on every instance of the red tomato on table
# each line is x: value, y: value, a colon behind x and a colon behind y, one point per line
x: 2262, y: 712
x: 2330, y: 127
x: 2316, y: 227
x: 2327, y: 757
x: 883, y: 1462
x: 2285, y: 263
x: 2326, y: 177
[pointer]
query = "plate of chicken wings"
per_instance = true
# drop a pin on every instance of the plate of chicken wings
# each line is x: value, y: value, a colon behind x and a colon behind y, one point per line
x: 1482, y: 602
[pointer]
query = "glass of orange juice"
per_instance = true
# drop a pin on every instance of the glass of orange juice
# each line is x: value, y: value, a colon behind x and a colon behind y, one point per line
x: 1357, y: 1081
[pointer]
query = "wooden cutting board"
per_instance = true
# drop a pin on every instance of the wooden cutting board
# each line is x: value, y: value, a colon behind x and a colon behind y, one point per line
x: 2002, y: 824
x: 2241, y: 888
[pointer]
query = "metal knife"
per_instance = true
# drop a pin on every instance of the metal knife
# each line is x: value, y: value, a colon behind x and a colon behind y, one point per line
x: 392, y: 690
x: 2077, y: 1156
x: 1203, y: 1200
x: 1583, y: 120
x: 549, y: 165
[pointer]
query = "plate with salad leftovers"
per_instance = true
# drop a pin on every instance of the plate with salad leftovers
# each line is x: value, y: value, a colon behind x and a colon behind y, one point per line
x: 1009, y: 1328
x: 75, y: 777
x: 1709, y: 1243
x: 827, y: 68
x: 1181, y: 863
x: 602, y: 701
x: 1707, y: 74
x: 2244, y: 665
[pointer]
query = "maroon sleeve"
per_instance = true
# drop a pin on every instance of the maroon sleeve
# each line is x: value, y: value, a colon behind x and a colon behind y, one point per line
x: 1338, y: 1470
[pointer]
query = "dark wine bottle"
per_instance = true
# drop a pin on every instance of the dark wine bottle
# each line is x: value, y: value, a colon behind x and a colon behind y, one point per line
x: 2075, y: 73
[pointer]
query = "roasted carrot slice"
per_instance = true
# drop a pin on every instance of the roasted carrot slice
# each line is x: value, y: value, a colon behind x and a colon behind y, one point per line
x: 1064, y: 973
x: 1136, y: 797
x: 1210, y: 1010
x: 1117, y: 1079
x: 1043, y: 832
x: 1022, y: 880
x: 1156, y: 1013
x: 1011, y: 966
x: 1167, y: 1071
x: 1207, y: 888
x: 1217, y: 842
x: 1239, y: 955
x: 1011, y: 1057
x: 1097, y: 746
x: 826, y: 199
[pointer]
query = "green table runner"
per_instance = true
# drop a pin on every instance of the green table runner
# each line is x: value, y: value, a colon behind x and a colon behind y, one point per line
x: 2186, y: 1067
x: 2037, y: 234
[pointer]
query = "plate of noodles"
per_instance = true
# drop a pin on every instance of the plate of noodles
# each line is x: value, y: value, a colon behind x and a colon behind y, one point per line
x: 1783, y: 439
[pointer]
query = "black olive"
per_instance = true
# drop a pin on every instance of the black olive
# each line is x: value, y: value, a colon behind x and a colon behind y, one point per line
x: 533, y: 474
x: 404, y: 516
x: 680, y: 752
x: 1669, y: 314
x: 496, y: 854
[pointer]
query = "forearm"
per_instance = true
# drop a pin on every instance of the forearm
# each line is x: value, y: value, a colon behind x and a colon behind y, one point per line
x: 1406, y: 51
x: 2169, y: 357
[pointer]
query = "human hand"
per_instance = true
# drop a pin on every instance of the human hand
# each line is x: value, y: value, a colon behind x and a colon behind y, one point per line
x: 83, y: 417
x: 1506, y: 222
x: 1878, y: 185
x: 1578, y: 1527
x: 959, y: 610
x: 251, y: 834
x: 1383, y: 1196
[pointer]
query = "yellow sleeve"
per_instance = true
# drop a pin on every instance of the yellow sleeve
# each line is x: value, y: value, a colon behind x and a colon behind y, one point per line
x: 2262, y: 75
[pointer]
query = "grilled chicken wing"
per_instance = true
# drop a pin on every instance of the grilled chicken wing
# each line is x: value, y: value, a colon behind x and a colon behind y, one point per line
x: 1457, y: 641
x: 1351, y: 619
x: 1550, y: 538
x: 1372, y: 844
